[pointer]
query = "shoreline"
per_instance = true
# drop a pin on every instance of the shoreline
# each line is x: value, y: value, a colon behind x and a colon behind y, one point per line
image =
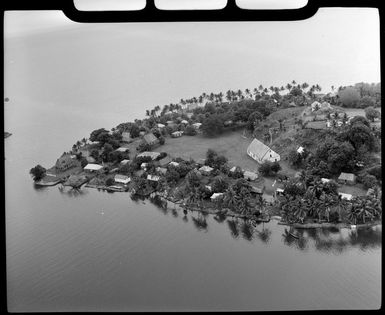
x: 329, y: 224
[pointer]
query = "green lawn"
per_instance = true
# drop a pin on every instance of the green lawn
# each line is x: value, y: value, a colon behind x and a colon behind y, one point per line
x: 351, y: 112
x: 355, y: 190
x: 231, y: 144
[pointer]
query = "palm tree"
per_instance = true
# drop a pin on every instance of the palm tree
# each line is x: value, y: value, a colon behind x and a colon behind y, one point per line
x: 293, y: 82
x: 304, y: 86
x: 230, y: 198
x: 288, y: 86
x: 316, y: 187
x: 300, y: 212
x: 340, y: 204
x: 352, y: 214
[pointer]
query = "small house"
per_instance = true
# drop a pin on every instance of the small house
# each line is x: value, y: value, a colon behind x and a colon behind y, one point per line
x: 93, y: 167
x: 370, y: 192
x: 232, y: 170
x: 170, y: 123
x: 206, y: 170
x: 279, y: 192
x: 208, y: 187
x: 201, y: 161
x: 261, y: 152
x: 124, y: 162
x: 328, y: 124
x: 150, y: 139
x: 257, y: 189
x: 345, y: 196
x: 153, y: 178
x: 123, y: 179
x: 325, y: 180
x: 173, y: 163
x: 325, y: 105
x: 215, y: 196
x: 347, y: 178
x: 189, y: 115
x: 65, y: 162
x: 197, y: 125
x: 177, y: 134
x: 152, y: 155
x: 300, y: 150
x: 160, y: 126
x: 315, y: 106
x: 319, y: 124
x: 250, y: 175
x: 228, y: 123
x: 165, y: 161
x: 122, y: 149
x: 143, y: 166
x: 191, y: 107
x: 297, y: 175
x: 126, y: 137
x: 161, y: 170
x: 142, y: 133
x: 185, y: 122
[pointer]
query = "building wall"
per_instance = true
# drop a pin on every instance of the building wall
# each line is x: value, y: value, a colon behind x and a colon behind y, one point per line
x: 274, y: 156
x: 271, y: 156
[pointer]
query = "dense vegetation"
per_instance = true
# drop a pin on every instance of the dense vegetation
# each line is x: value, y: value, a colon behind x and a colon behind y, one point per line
x: 307, y: 199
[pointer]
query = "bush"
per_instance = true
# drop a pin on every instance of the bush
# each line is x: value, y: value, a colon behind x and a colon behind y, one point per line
x: 83, y: 161
x: 161, y: 140
x: 369, y: 181
x: 349, y: 97
x: 275, y: 167
x: 37, y: 172
x: 238, y: 173
x: 219, y: 185
x: 143, y: 147
x: 172, y: 176
x: 110, y: 181
x: 372, y: 113
x: 367, y: 101
x: 190, y: 131
x: 268, y: 168
x: 376, y: 171
x: 161, y: 156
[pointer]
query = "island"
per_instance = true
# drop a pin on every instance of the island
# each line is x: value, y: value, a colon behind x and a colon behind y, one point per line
x: 288, y: 153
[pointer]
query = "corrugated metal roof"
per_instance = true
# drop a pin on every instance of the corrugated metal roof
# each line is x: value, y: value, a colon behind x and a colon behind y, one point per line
x: 347, y: 176
x: 150, y: 138
x: 93, y: 167
x: 258, y: 148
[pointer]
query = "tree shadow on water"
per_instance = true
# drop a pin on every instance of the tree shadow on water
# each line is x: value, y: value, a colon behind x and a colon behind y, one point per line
x: 200, y: 223
x: 220, y: 218
x: 233, y: 226
x: 247, y: 230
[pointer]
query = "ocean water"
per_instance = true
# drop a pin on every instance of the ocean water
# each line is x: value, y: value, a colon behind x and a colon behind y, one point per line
x: 98, y: 251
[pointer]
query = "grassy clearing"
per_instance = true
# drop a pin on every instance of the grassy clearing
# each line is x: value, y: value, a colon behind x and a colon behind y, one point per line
x: 355, y: 190
x: 286, y: 113
x: 351, y: 112
x: 231, y: 144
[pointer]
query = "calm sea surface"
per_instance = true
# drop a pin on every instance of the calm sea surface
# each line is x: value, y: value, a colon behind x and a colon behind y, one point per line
x: 97, y: 251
